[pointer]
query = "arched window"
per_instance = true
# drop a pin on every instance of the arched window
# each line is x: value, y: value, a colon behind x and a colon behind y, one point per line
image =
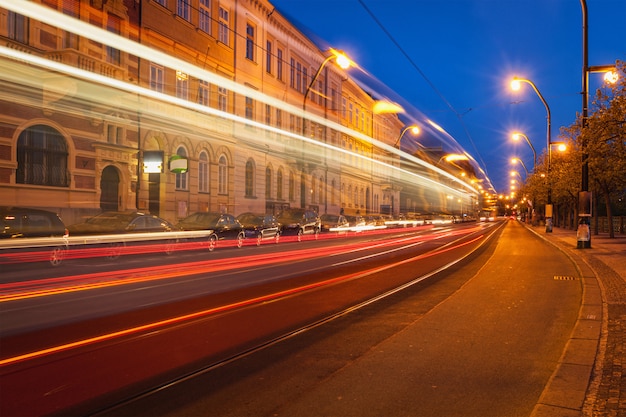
x: 268, y: 182
x: 321, y: 195
x: 203, y: 172
x: 181, y: 179
x: 279, y: 184
x: 222, y: 175
x: 42, y: 157
x: 249, y: 187
x: 292, y: 187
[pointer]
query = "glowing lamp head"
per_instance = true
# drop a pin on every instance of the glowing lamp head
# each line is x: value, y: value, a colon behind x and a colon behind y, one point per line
x: 611, y: 77
x: 415, y: 130
x: 516, y: 84
x: 342, y: 60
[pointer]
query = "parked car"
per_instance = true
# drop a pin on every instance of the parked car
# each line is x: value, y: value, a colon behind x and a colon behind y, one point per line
x: 222, y: 226
x: 114, y: 230
x: 113, y: 222
x: 299, y: 222
x: 334, y: 223
x: 28, y: 223
x: 260, y: 226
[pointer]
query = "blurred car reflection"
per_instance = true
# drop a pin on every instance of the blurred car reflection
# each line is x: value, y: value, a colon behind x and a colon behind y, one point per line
x: 121, y: 222
x: 26, y: 222
x: 334, y: 223
x: 113, y: 230
x: 222, y: 226
x: 260, y: 226
x: 299, y: 222
x: 36, y: 227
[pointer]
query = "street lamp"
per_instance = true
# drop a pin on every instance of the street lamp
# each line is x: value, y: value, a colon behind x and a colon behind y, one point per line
x: 516, y: 160
x: 583, y: 234
x: 516, y: 136
x: 516, y: 85
x: 415, y: 130
x: 340, y: 58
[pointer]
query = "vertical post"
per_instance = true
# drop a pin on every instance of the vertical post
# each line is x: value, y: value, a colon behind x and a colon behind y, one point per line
x: 583, y: 234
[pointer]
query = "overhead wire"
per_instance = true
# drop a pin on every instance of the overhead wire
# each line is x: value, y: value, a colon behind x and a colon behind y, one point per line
x: 428, y: 81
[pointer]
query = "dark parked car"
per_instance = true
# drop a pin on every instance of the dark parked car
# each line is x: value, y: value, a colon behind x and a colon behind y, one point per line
x: 299, y: 222
x: 260, y: 226
x: 27, y: 222
x: 222, y: 226
x: 21, y: 222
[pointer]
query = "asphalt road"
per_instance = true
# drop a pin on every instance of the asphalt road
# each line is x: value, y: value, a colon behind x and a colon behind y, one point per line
x: 482, y: 340
x: 86, y: 341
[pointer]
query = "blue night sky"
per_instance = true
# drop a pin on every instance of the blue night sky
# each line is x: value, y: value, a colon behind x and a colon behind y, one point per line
x: 453, y: 61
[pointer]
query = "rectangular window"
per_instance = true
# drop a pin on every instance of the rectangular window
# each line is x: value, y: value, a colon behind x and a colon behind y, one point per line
x: 250, y: 41
x: 279, y: 118
x: 18, y: 27
x: 279, y: 64
x: 224, y: 26
x: 70, y: 8
x: 222, y: 99
x: 204, y: 16
x: 298, y: 85
x: 249, y: 108
x: 183, y: 9
x: 268, y: 57
x: 268, y: 115
x: 161, y: 2
x: 157, y: 76
x: 182, y: 85
x: 114, y: 25
x: 203, y: 93
x: 115, y: 134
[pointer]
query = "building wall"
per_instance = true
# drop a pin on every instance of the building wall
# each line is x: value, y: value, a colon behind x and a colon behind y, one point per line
x: 110, y: 141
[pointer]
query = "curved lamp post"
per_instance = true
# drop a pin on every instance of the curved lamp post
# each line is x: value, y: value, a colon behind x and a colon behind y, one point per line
x: 516, y: 160
x: 516, y: 136
x: 340, y: 58
x: 516, y: 85
x: 415, y: 130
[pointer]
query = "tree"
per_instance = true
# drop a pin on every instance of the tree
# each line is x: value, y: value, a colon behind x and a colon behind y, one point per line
x: 605, y: 134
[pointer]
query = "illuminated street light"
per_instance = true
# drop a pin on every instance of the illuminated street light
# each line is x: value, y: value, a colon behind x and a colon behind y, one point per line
x: 516, y: 136
x: 415, y: 130
x: 342, y: 61
x: 516, y: 85
x: 516, y: 160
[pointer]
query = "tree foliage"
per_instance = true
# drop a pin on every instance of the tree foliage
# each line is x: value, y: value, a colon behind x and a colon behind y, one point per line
x: 603, y: 140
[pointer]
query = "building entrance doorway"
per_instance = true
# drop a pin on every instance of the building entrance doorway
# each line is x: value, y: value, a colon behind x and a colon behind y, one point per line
x: 110, y: 189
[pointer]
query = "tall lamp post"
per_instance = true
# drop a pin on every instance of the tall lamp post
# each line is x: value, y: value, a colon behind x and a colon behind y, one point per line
x: 516, y: 85
x: 516, y: 136
x: 583, y: 234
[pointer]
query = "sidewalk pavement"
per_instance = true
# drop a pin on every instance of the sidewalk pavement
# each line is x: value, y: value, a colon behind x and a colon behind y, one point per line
x: 590, y: 379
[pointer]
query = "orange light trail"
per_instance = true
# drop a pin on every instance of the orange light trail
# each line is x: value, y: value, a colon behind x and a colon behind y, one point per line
x: 222, y: 309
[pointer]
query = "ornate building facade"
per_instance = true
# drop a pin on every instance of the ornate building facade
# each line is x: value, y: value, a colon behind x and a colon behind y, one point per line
x: 77, y: 147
